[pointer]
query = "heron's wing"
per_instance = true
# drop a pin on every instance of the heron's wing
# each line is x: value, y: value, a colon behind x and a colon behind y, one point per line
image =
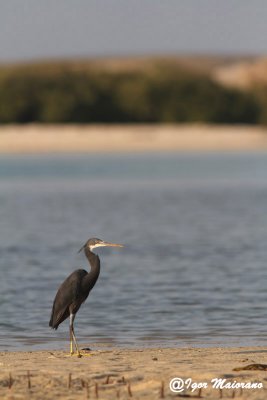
x: 68, y: 298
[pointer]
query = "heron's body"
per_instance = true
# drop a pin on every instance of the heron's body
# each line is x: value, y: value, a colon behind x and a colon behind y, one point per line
x: 75, y: 290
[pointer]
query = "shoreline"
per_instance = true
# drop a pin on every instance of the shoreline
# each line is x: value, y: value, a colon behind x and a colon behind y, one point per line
x: 47, y: 139
x: 142, y: 373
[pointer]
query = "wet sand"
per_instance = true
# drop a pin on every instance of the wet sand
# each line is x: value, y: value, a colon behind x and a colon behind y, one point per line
x: 16, y: 139
x: 130, y: 373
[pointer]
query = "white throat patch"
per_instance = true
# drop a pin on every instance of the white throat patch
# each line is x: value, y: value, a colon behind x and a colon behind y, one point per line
x: 93, y: 246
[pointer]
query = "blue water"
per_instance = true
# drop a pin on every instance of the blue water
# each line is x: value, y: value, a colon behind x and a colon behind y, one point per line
x: 194, y: 267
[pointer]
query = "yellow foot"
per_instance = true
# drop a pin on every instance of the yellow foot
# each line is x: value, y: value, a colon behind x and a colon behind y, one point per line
x: 81, y: 354
x: 71, y: 354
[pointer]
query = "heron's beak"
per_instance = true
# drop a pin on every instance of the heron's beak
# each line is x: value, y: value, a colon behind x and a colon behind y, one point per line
x: 108, y: 244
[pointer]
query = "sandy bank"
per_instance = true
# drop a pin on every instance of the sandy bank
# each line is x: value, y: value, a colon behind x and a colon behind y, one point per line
x: 129, y: 374
x: 129, y: 138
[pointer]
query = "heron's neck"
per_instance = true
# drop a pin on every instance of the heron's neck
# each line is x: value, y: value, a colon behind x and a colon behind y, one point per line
x: 94, y: 263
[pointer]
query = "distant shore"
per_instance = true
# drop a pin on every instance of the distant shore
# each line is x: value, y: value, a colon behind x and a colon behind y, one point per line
x: 34, y: 138
x: 131, y: 373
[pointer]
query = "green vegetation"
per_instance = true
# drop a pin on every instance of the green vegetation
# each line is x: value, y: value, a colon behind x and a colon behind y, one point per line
x: 260, y: 93
x: 88, y: 93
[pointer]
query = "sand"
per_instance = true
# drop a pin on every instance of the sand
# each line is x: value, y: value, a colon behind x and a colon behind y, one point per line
x: 130, y: 373
x: 17, y: 139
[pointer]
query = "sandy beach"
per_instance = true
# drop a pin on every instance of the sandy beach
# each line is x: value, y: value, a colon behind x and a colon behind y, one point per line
x: 132, y: 373
x: 16, y: 139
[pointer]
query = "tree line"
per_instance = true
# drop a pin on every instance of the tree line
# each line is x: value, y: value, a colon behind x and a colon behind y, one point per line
x: 91, y: 95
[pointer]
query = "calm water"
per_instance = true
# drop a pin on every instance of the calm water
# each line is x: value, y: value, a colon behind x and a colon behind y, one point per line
x: 194, y: 267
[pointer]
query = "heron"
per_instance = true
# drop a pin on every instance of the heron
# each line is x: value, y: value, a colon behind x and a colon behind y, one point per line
x: 75, y: 290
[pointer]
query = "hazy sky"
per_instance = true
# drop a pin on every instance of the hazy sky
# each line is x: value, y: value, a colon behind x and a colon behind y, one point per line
x: 63, y: 28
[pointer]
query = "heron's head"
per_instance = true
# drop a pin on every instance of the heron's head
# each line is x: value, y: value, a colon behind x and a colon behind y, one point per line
x: 94, y: 242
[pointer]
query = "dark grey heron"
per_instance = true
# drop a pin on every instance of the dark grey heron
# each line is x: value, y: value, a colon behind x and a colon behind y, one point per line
x: 76, y: 288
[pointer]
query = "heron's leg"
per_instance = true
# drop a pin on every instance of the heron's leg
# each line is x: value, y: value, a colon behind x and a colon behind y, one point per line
x: 76, y: 344
x: 72, y: 335
x: 71, y: 343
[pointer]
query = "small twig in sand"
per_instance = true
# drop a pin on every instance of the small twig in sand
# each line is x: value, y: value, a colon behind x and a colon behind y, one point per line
x: 161, y: 392
x: 107, y: 380
x: 85, y: 386
x: 96, y: 391
x: 118, y: 394
x: 87, y: 390
x: 69, y: 381
x: 10, y: 382
x: 129, y: 390
x: 233, y: 394
x: 29, y: 380
x: 221, y: 394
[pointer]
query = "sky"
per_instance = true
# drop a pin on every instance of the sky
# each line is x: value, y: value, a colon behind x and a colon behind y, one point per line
x: 36, y: 29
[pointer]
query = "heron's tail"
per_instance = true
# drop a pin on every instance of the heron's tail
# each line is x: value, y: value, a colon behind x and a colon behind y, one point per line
x: 53, y: 326
x: 58, y: 315
x: 53, y: 322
